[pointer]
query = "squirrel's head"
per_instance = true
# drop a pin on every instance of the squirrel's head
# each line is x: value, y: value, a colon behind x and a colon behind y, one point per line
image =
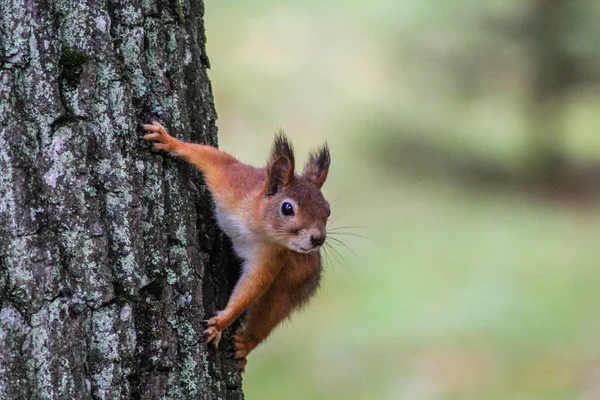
x: 294, y: 211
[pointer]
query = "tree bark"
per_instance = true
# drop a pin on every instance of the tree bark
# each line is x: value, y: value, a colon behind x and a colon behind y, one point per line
x: 109, y: 256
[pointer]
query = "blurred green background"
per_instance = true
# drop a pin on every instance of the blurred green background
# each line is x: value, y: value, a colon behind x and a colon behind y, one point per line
x: 465, y: 147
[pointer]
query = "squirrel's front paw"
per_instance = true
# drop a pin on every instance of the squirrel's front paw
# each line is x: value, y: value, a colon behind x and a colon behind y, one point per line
x: 214, y: 330
x: 160, y: 136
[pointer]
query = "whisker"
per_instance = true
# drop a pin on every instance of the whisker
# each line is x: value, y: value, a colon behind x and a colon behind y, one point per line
x: 353, y: 235
x: 343, y: 244
x: 340, y: 258
x: 341, y: 215
x: 328, y: 259
x: 333, y: 255
x: 335, y: 228
x: 345, y: 262
x: 338, y: 198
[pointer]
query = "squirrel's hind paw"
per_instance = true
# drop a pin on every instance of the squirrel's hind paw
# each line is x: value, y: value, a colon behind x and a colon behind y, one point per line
x: 242, y: 349
x: 241, y: 364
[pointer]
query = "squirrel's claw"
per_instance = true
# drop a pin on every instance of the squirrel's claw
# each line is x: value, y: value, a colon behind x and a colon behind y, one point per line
x: 150, y: 127
x: 155, y: 126
x: 151, y: 136
x: 212, y: 334
x: 160, y: 136
x: 159, y: 131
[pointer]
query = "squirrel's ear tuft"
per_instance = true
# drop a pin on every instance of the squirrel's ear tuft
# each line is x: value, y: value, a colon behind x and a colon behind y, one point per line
x: 281, y: 164
x: 282, y: 148
x: 317, y: 167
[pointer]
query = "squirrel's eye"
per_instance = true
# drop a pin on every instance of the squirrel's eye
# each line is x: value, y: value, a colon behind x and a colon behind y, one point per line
x: 287, y: 209
x: 329, y: 213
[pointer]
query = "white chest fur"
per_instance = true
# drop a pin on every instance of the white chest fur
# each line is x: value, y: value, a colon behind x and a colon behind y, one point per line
x: 245, y: 242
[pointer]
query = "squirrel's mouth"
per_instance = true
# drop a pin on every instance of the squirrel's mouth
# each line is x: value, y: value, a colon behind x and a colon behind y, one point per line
x: 301, y: 249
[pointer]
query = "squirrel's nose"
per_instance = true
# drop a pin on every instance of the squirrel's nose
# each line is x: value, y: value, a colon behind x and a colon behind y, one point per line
x: 317, y: 240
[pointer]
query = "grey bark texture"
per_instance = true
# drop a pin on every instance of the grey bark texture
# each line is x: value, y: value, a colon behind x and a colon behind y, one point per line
x: 109, y: 256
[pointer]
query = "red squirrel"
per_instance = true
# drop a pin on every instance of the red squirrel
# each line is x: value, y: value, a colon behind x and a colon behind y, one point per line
x: 276, y: 220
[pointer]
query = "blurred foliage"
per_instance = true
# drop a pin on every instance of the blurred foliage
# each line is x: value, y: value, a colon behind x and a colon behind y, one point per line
x: 478, y: 277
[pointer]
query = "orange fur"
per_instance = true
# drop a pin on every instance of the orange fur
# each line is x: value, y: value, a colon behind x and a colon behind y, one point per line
x: 282, y: 264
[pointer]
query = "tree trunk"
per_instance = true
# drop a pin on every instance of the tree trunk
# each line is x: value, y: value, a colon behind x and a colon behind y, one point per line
x: 552, y: 75
x: 109, y: 256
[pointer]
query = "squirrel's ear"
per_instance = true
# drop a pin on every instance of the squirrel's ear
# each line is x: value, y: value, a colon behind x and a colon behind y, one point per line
x: 281, y: 164
x: 317, y: 167
x: 280, y: 175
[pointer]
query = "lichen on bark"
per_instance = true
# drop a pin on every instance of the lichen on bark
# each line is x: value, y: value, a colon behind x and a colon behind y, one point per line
x: 109, y: 256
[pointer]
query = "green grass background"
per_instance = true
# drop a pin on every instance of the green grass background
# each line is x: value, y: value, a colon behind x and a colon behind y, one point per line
x: 460, y: 291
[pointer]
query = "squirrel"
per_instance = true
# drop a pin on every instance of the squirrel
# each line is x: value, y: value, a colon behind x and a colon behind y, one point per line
x: 276, y: 220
